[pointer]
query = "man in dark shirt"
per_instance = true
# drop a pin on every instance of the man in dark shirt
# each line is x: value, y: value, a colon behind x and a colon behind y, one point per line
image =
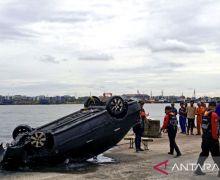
x: 210, y: 142
x: 173, y: 109
x: 139, y: 127
x: 170, y: 123
x: 182, y: 117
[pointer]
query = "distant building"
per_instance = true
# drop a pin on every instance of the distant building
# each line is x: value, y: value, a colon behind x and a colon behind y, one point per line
x: 144, y: 97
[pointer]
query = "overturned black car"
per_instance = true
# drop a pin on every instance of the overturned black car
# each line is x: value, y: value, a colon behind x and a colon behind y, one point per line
x: 78, y: 136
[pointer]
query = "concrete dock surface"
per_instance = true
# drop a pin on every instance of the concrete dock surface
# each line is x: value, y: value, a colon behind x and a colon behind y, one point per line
x: 131, y: 165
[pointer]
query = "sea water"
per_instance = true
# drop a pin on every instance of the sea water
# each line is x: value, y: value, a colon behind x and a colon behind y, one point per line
x: 36, y: 115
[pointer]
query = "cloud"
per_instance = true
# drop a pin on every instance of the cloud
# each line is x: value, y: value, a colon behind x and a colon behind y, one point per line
x: 46, y: 87
x: 169, y: 45
x: 155, y: 67
x: 16, y: 16
x: 77, y: 17
x: 95, y: 57
x: 70, y: 17
x: 11, y: 31
x: 49, y: 59
x: 169, y: 21
x: 156, y: 41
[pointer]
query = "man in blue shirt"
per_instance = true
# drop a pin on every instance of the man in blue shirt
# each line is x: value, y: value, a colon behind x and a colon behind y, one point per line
x: 218, y: 109
x: 182, y: 117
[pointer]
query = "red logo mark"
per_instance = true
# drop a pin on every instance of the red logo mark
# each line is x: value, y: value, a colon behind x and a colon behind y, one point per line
x: 164, y: 165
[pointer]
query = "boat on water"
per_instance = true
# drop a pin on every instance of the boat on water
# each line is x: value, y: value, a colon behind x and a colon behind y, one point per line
x: 79, y: 136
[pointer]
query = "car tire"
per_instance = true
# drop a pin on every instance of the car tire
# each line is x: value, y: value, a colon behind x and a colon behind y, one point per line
x: 38, y: 139
x: 92, y: 101
x: 117, y: 107
x: 21, y: 129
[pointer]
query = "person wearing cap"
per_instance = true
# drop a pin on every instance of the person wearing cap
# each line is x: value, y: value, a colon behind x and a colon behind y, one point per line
x: 210, y: 142
x: 182, y: 117
x: 139, y: 127
x: 191, y: 112
x: 200, y: 110
x: 170, y: 123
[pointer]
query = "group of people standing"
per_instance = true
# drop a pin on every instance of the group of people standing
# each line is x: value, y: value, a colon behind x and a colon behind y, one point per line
x: 208, y: 118
x: 188, y: 114
x: 170, y: 123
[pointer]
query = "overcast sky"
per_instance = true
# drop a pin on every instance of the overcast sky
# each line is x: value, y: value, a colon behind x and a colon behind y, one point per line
x: 76, y: 47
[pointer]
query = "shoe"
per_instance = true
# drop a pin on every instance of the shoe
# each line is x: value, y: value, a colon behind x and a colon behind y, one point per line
x: 139, y: 149
x: 170, y: 153
x: 187, y: 133
x: 192, y: 134
x: 199, y: 172
x: 178, y: 155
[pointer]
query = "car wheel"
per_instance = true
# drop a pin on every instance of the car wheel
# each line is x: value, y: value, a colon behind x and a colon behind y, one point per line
x: 38, y: 139
x: 92, y: 101
x: 21, y: 129
x: 116, y: 107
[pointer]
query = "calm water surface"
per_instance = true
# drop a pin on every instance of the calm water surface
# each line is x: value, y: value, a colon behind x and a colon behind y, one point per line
x: 33, y: 115
x: 36, y: 115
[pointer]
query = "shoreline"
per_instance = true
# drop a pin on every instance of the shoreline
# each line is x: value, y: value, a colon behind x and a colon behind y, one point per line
x: 82, y: 103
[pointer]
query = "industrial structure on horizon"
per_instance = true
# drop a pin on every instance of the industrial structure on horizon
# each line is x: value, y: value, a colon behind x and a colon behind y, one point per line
x: 66, y: 99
